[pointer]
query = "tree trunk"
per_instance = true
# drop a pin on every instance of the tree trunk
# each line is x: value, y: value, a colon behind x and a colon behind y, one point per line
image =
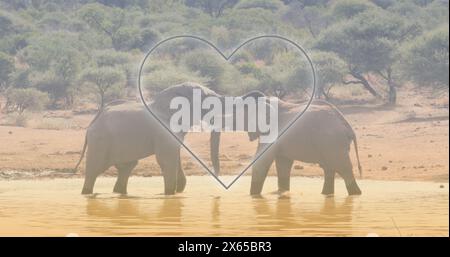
x: 319, y: 92
x: 365, y: 83
x: 392, y: 97
x: 102, y: 99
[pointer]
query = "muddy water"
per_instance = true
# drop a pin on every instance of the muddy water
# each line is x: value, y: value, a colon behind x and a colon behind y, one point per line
x: 56, y: 208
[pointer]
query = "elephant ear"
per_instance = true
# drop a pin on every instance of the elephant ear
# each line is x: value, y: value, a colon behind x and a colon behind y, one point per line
x: 252, y: 136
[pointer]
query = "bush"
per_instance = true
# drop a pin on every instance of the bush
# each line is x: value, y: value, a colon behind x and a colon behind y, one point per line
x: 271, y: 5
x: 159, y: 79
x: 15, y: 119
x: 21, y: 99
x: 349, y: 8
x: 330, y: 70
x: 21, y: 120
x: 108, y: 82
x: 111, y: 58
x: 426, y: 59
x: 6, y: 68
x: 206, y: 64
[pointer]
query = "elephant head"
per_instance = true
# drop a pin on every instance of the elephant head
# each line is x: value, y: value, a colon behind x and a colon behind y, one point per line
x: 161, y: 104
x: 161, y: 101
x: 215, y: 136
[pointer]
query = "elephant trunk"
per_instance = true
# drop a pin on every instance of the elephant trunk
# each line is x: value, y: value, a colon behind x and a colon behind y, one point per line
x: 214, y: 145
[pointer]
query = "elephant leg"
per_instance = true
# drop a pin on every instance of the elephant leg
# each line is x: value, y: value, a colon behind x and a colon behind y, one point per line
x: 328, y: 185
x: 259, y: 171
x: 94, y: 167
x: 124, y: 171
x: 181, y: 178
x: 168, y: 157
x: 346, y: 172
x: 283, y: 166
x: 89, y: 182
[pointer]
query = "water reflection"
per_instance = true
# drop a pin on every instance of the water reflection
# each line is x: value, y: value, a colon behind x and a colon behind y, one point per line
x: 283, y: 215
x: 417, y: 208
x: 269, y: 215
x: 127, y: 212
x: 215, y: 212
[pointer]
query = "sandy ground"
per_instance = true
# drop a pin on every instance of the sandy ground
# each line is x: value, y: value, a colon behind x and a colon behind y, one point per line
x: 406, y: 142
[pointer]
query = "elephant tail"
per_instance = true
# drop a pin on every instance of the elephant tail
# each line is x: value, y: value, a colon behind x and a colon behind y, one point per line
x: 357, y: 155
x: 100, y: 111
x: 82, y: 154
x: 347, y: 124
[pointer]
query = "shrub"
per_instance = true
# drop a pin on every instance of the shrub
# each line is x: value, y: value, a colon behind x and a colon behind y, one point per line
x: 108, y: 81
x: 426, y: 59
x: 161, y: 78
x: 15, y: 119
x: 271, y: 5
x: 6, y: 69
x: 21, y: 99
x: 206, y: 64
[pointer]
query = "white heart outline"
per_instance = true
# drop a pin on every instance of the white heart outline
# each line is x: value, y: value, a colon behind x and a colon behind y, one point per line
x: 283, y: 131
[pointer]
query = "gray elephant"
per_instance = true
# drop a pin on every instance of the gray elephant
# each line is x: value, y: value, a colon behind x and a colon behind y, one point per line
x: 322, y: 135
x: 123, y: 133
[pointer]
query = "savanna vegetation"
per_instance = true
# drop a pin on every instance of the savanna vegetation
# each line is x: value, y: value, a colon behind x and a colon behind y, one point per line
x: 56, y: 54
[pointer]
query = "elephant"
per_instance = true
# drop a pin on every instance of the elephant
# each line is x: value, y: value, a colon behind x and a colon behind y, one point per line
x: 122, y: 133
x: 322, y: 136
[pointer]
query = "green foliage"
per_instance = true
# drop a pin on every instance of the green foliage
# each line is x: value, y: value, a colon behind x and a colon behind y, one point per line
x: 55, y: 62
x: 13, y: 43
x: 111, y: 58
x: 215, y: 8
x: 289, y: 73
x: 6, y: 69
x: 250, y: 68
x: 108, y: 82
x: 330, y: 70
x: 58, y: 52
x: 207, y: 64
x: 6, y: 25
x: 312, y: 18
x: 272, y: 5
x: 110, y: 22
x: 369, y: 41
x: 167, y: 75
x: 425, y: 60
x: 384, y: 3
x: 21, y: 99
x: 347, y: 9
x: 45, y: 45
x: 21, y: 78
x: 59, y: 91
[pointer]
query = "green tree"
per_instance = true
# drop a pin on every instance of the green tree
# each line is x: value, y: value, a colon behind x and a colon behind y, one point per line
x: 272, y: 5
x: 6, y: 25
x: 330, y: 70
x: 6, y: 69
x: 108, y: 82
x: 206, y: 64
x: 368, y: 43
x: 425, y: 60
x: 313, y: 18
x: 347, y: 9
x: 55, y: 61
x: 214, y: 8
x: 107, y: 20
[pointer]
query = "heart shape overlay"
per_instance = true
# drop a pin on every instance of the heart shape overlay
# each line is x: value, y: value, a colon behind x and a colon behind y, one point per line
x: 227, y: 58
